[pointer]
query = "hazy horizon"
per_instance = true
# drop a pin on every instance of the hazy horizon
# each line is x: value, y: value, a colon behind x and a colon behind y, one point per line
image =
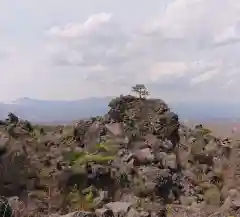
x: 50, y: 111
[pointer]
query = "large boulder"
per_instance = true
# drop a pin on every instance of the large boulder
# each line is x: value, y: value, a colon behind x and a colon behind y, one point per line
x: 15, y: 162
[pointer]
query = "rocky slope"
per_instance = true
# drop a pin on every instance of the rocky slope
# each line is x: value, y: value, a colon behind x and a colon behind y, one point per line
x: 136, y: 161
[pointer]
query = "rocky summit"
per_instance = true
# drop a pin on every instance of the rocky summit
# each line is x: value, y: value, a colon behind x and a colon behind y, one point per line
x: 135, y: 161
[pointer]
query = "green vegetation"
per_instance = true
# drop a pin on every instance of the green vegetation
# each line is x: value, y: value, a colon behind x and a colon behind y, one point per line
x: 203, y: 130
x: 103, y: 147
x: 96, y: 158
x: 79, y: 158
x: 206, y: 131
x: 77, y: 200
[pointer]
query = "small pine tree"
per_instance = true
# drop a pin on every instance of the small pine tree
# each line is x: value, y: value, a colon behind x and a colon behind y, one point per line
x: 141, y: 90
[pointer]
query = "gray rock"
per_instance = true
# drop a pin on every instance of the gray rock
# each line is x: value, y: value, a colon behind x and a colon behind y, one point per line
x: 121, y: 153
x: 150, y: 173
x: 167, y: 144
x: 128, y: 157
x: 55, y: 215
x: 212, y: 196
x: 150, y: 186
x: 130, y: 198
x: 152, y: 141
x: 144, y: 214
x: 81, y: 214
x: 3, y: 144
x: 103, y: 197
x: 136, y: 145
x: 92, y: 136
x: 144, y: 155
x: 119, y: 208
x: 187, y: 201
x: 72, y: 214
x: 16, y: 164
x: 144, y: 189
x: 170, y: 161
x: 160, y: 157
x: 104, y: 212
x: 116, y: 129
x: 14, y: 202
x: 133, y: 213
x: 236, y: 203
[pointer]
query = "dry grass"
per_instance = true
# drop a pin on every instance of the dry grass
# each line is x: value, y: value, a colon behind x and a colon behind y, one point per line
x: 219, y: 128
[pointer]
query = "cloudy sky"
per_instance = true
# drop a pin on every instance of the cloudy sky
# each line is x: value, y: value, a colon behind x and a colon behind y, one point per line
x: 180, y: 49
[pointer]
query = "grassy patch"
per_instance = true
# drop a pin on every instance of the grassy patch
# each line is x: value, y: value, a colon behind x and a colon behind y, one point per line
x: 81, y: 158
x: 95, y: 158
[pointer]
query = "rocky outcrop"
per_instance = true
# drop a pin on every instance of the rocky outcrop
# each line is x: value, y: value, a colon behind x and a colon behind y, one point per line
x: 160, y: 159
x: 135, y: 161
x: 16, y: 172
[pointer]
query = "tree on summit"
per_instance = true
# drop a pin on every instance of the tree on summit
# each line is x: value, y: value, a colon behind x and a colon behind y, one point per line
x: 140, y: 90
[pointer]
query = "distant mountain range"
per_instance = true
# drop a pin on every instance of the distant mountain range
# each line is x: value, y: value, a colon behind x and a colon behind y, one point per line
x: 61, y: 112
x: 46, y: 111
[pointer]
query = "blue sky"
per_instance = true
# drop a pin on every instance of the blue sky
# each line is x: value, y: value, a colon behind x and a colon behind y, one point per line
x: 181, y: 49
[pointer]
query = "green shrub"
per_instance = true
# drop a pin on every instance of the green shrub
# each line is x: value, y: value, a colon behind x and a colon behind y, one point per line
x: 78, y: 201
x: 73, y: 156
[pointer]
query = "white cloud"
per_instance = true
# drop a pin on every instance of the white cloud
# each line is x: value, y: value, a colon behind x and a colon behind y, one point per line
x: 228, y: 84
x: 96, y: 20
x: 166, y: 50
x: 187, y: 48
x: 162, y: 71
x: 73, y: 30
x: 196, y: 18
x: 204, y: 77
x: 230, y: 35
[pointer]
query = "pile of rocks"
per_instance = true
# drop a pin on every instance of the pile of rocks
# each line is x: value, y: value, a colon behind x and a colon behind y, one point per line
x: 163, y: 162
x: 135, y: 161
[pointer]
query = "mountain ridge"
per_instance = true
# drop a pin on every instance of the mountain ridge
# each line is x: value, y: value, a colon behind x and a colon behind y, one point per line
x: 67, y: 111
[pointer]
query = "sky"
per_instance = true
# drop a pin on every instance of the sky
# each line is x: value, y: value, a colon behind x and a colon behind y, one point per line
x: 182, y: 50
